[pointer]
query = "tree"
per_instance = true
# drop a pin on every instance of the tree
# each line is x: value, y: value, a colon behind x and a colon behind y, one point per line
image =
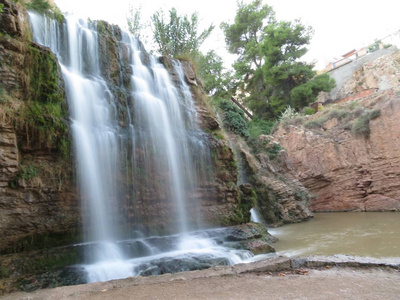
x: 216, y: 80
x: 135, y: 25
x: 291, y: 81
x: 268, y: 67
x: 179, y: 35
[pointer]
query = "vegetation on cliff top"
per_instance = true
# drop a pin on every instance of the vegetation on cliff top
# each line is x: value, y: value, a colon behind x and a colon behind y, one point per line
x: 269, y: 73
x: 350, y: 116
x: 44, y: 7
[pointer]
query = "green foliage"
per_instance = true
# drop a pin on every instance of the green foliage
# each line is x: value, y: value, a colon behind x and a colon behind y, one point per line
x: 216, y: 80
x: 3, y: 270
x: 42, y: 118
x: 269, y: 69
x: 272, y: 149
x: 28, y: 171
x: 40, y: 6
x: 307, y: 92
x: 1, y: 8
x: 45, y: 8
x: 375, y: 46
x: 135, y: 25
x: 258, y: 127
x: 339, y: 114
x: 288, y: 113
x: 308, y: 111
x: 178, y: 35
x: 317, y: 123
x: 234, y: 119
x: 25, y: 172
x: 361, y: 124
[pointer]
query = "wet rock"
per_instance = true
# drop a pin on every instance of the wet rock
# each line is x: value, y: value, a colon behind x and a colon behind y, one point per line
x: 253, y: 237
x: 280, y: 195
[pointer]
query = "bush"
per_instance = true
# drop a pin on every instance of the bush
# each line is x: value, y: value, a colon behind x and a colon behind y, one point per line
x: 339, y: 114
x: 316, y: 124
x: 40, y: 6
x: 361, y: 124
x: 257, y: 127
x: 375, y: 113
x: 353, y: 105
x: 308, y: 111
x: 289, y: 113
x: 45, y: 8
x: 234, y: 119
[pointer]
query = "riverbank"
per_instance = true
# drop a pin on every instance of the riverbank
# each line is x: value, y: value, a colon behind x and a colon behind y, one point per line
x: 313, y: 277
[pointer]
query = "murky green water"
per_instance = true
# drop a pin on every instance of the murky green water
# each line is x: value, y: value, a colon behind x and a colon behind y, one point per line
x: 366, y: 234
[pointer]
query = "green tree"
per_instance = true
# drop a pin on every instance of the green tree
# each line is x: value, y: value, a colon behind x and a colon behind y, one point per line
x: 289, y: 80
x: 135, y: 24
x: 1, y: 8
x: 270, y: 73
x: 178, y: 35
x: 216, y: 79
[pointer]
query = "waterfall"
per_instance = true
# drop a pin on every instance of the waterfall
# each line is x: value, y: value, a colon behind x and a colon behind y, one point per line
x: 255, y: 216
x: 158, y: 147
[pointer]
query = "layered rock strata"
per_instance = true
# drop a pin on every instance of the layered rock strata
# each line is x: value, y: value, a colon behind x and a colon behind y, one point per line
x: 346, y: 171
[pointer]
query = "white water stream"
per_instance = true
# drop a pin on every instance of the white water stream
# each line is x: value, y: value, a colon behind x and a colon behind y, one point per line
x: 162, y: 130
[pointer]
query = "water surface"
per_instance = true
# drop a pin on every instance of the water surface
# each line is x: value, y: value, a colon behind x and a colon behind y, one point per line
x: 374, y: 234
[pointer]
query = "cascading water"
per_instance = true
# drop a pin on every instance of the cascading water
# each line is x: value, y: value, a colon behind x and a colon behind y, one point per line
x: 255, y: 216
x: 162, y: 149
x: 95, y: 135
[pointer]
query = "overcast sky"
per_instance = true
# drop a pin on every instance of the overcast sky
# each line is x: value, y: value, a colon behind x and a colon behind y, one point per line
x: 340, y: 26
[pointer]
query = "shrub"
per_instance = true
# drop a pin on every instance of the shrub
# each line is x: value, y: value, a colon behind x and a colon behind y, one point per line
x: 288, y: 113
x: 339, y: 114
x: 256, y: 127
x: 353, y: 105
x: 40, y: 6
x: 361, y: 124
x: 316, y: 124
x: 308, y: 111
x: 234, y: 119
x: 375, y: 113
x: 45, y: 8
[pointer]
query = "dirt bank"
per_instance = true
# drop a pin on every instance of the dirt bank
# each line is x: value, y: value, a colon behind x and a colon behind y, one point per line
x: 337, y: 277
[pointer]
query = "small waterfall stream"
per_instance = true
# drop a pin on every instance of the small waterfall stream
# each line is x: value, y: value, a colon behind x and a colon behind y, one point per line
x: 163, y: 149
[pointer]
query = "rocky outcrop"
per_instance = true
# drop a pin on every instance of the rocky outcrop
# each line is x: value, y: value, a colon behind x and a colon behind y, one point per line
x: 37, y: 194
x: 344, y: 170
x: 281, y: 198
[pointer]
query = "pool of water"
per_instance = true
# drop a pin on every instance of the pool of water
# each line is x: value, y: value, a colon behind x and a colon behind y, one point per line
x: 372, y: 234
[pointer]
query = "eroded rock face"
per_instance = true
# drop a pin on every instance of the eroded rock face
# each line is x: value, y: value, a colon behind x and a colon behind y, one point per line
x: 347, y: 172
x: 281, y: 198
x: 37, y: 195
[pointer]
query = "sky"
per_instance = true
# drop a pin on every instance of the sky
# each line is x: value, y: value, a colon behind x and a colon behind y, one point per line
x: 339, y: 26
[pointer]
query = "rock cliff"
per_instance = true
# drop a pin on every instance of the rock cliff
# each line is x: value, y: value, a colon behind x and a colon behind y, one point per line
x: 348, y: 155
x: 37, y: 193
x: 279, y: 195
